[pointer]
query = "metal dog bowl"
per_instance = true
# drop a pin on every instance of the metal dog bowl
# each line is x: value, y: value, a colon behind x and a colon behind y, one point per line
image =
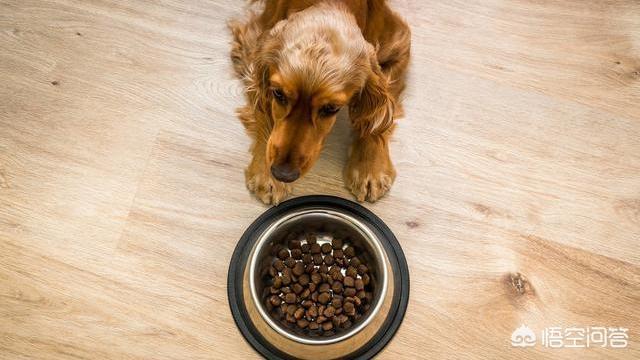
x: 321, y: 215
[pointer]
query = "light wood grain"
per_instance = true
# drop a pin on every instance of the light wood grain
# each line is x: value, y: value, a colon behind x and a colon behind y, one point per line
x: 122, y: 192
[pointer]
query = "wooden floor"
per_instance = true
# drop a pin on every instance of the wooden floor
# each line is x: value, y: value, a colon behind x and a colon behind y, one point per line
x: 122, y: 192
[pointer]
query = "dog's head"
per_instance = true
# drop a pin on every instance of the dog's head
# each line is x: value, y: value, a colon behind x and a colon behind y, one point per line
x: 306, y: 69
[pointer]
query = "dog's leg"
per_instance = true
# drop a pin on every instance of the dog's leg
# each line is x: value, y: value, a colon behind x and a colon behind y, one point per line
x: 258, y: 175
x: 369, y: 173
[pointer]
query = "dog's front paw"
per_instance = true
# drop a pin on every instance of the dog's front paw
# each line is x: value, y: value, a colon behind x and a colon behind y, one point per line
x: 369, y: 180
x: 266, y: 188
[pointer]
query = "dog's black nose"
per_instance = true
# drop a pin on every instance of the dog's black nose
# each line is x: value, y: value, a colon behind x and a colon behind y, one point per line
x: 285, y: 173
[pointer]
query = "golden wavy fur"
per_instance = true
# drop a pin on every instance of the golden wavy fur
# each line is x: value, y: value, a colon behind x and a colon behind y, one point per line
x: 301, y: 62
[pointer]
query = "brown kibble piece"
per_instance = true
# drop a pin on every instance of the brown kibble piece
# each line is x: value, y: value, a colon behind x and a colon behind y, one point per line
x: 302, y: 323
x: 315, y: 249
x: 327, y: 326
x: 278, y: 264
x: 329, y: 311
x: 325, y: 248
x: 313, y: 325
x: 327, y: 278
x: 290, y: 298
x: 316, y: 278
x: 303, y: 279
x: 337, y: 276
x: 283, y: 254
x: 349, y: 292
x: 338, y: 254
x: 323, y: 269
x: 359, y: 284
x: 307, y: 304
x: 291, y: 309
x: 312, y: 287
x: 290, y: 262
x: 324, y: 298
x: 349, y: 252
x: 362, y: 269
x: 361, y: 294
x: 321, y: 319
x: 272, y: 271
x: 307, y: 258
x: 299, y: 313
x: 286, y: 279
x: 275, y: 300
x: 298, y: 269
x: 310, y: 268
x: 355, y: 262
x: 296, y: 254
x: 317, y: 259
x: 314, y: 296
x: 336, y: 302
x: 277, y: 282
x: 294, y: 244
x: 305, y: 294
x: 366, y: 279
x: 349, y: 308
x: 305, y: 248
x: 348, y: 281
x: 336, y: 243
x: 351, y: 272
x: 336, y: 287
x: 324, y: 288
x: 285, y: 290
x: 313, y: 311
x: 328, y: 260
x: 297, y: 288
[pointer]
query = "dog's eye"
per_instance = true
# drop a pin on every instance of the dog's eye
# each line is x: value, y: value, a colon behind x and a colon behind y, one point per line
x: 279, y: 95
x: 328, y: 110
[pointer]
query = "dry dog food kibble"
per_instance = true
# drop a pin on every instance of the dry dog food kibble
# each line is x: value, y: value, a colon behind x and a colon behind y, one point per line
x: 319, y: 287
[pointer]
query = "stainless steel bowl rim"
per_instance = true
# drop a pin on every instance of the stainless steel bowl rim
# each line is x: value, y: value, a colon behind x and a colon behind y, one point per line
x: 366, y: 232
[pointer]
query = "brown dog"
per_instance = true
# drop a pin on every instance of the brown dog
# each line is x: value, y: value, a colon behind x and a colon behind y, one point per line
x: 301, y: 62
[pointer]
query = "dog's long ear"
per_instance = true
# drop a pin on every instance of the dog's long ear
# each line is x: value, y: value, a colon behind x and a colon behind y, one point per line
x: 259, y: 88
x: 371, y: 111
x: 264, y: 58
